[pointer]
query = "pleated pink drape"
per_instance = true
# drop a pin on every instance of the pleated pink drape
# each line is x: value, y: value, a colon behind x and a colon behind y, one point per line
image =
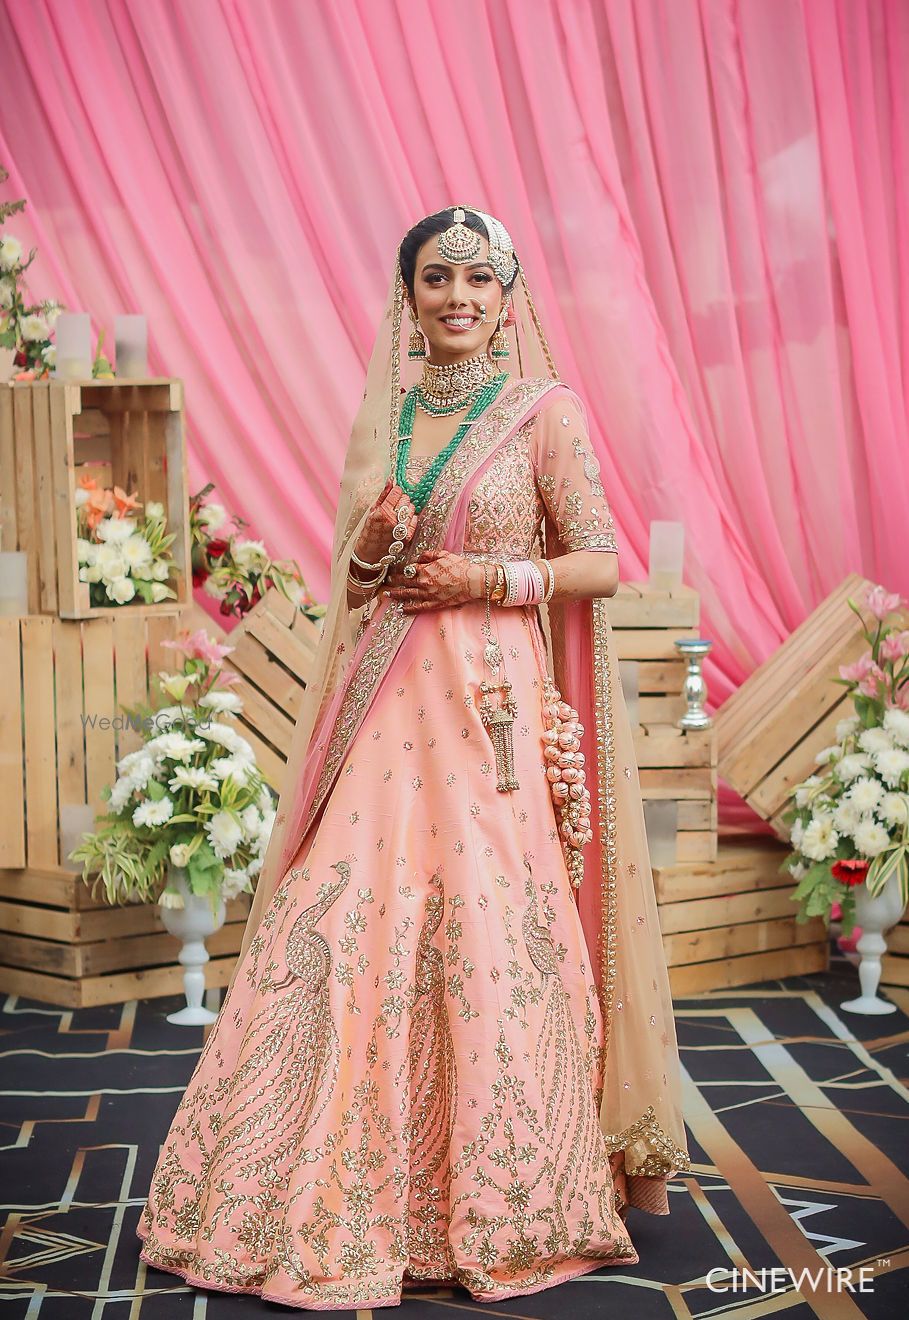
x: 708, y: 196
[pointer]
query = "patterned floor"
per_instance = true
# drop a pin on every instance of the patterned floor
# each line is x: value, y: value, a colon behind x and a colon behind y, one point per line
x: 797, y: 1116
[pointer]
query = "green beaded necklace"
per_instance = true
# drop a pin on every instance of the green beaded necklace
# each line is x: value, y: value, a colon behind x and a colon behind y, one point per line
x: 483, y: 396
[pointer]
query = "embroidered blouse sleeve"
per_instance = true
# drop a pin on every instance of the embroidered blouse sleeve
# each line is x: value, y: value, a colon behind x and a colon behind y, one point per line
x: 568, y: 477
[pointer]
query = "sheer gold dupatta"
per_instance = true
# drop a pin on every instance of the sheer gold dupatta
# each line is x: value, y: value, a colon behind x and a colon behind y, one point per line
x: 640, y: 1098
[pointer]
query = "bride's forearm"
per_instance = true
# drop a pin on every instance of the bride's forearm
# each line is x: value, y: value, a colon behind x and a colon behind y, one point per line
x: 583, y: 574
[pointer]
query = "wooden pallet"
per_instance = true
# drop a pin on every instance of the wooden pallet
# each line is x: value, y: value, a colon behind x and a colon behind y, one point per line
x: 770, y: 730
x: 61, y: 946
x: 53, y: 432
x: 64, y: 685
x: 731, y: 921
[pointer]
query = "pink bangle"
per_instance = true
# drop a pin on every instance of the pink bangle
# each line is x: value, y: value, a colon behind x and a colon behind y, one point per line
x: 525, y: 585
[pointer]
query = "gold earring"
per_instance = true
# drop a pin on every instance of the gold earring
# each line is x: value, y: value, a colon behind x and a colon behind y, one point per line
x: 498, y: 344
x: 417, y: 346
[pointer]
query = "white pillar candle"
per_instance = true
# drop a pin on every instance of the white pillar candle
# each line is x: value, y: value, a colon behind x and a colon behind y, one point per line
x: 661, y: 818
x: 667, y: 554
x: 13, y: 583
x: 73, y: 333
x: 131, y: 346
x: 76, y: 819
x: 629, y: 673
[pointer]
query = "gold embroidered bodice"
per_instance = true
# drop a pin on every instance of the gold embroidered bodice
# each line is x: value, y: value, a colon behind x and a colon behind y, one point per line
x: 530, y: 476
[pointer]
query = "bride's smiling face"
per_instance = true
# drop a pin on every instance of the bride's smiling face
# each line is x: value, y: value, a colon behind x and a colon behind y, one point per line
x: 447, y: 302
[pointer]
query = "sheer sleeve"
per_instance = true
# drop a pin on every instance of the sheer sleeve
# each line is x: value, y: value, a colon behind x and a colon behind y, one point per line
x: 568, y: 477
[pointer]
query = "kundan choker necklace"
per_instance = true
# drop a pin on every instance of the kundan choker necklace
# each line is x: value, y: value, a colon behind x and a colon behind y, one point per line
x: 446, y: 388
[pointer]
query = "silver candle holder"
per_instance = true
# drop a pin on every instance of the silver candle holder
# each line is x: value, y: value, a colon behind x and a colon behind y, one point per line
x: 695, y: 690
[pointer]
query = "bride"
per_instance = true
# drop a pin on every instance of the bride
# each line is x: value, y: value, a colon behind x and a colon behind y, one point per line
x: 447, y: 1051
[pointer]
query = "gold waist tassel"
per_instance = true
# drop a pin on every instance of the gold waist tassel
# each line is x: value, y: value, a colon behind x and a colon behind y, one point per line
x: 499, y: 720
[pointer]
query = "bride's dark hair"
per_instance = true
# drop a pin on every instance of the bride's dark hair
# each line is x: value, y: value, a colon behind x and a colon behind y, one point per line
x: 436, y: 223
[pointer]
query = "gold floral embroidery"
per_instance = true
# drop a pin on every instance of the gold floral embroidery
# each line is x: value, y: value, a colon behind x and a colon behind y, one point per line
x: 649, y: 1152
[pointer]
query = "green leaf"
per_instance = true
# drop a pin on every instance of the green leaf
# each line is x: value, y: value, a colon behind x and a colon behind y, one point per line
x: 884, y: 866
x: 155, y: 790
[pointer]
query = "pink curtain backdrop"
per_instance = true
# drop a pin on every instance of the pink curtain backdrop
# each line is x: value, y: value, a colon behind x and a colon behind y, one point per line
x: 708, y: 197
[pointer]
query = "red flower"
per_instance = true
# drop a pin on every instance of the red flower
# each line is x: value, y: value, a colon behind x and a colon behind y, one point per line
x: 199, y: 576
x: 20, y: 359
x: 850, y: 871
x: 217, y: 547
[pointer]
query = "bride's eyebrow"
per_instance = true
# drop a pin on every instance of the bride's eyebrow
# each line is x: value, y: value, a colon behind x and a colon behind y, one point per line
x: 440, y: 265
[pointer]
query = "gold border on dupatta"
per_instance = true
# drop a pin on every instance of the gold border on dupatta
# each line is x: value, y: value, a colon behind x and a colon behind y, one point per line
x: 606, y: 816
x: 394, y: 624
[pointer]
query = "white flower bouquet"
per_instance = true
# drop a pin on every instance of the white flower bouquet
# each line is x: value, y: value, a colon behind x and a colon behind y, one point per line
x: 850, y: 820
x: 121, y: 557
x: 191, y: 796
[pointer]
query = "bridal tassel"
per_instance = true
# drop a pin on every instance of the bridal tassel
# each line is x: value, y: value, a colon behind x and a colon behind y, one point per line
x: 566, y: 775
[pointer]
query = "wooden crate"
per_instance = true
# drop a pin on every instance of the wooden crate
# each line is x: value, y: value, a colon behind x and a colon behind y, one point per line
x: 731, y: 921
x: 770, y: 730
x: 53, y: 432
x: 646, y: 623
x: 64, y: 684
x: 680, y: 764
x: 61, y: 946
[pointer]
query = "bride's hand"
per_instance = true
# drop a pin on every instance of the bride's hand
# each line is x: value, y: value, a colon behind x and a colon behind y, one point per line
x: 377, y: 533
x: 443, y: 578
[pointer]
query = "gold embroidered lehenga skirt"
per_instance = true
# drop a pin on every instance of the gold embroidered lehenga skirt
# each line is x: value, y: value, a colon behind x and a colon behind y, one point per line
x: 401, y: 1082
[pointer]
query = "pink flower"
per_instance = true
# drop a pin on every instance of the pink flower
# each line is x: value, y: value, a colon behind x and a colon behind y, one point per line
x: 858, y: 669
x: 881, y: 602
x: 895, y: 645
x: 870, y: 683
x: 200, y: 646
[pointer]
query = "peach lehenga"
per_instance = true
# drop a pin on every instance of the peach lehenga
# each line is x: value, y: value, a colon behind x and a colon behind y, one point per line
x: 403, y: 1082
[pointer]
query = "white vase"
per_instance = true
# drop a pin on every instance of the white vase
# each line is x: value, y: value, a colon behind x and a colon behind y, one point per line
x: 192, y: 924
x: 875, y: 914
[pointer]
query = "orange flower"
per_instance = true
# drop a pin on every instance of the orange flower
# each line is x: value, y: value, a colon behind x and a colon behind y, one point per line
x: 87, y: 482
x: 96, y: 507
x: 125, y: 503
